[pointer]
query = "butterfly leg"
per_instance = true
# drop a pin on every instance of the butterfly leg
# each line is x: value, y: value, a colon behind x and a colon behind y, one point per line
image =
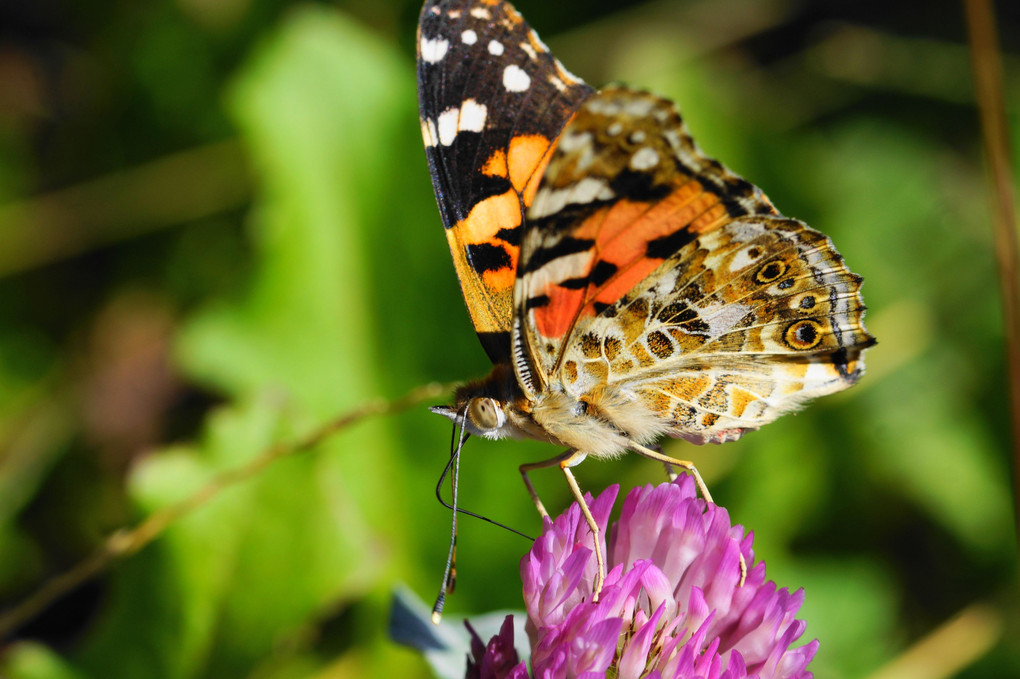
x: 565, y: 461
x: 600, y: 576
x: 670, y: 462
x: 670, y: 471
x: 543, y: 464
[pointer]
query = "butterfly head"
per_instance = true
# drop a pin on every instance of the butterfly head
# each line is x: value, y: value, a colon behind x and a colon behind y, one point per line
x: 490, y: 407
x: 480, y: 416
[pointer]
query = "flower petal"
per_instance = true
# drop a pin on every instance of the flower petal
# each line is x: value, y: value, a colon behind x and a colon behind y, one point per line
x: 672, y: 604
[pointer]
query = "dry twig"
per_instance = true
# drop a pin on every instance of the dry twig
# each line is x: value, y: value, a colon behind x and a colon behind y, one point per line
x: 128, y: 541
x: 986, y: 62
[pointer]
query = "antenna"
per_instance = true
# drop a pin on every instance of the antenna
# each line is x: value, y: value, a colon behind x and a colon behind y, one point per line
x: 460, y: 436
x: 450, y: 573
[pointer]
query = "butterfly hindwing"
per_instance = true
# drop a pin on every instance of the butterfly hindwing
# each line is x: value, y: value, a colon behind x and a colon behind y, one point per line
x: 492, y: 101
x: 741, y: 325
x: 649, y: 268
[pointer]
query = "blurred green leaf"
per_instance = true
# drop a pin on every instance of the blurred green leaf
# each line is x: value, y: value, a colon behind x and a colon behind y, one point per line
x: 29, y: 660
x: 922, y: 430
x: 849, y: 606
x: 264, y: 560
x: 315, y: 107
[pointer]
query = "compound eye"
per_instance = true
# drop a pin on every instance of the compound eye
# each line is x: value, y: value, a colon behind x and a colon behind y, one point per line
x: 485, y: 413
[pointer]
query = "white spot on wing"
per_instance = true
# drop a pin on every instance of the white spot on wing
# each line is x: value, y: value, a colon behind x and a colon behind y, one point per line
x: 549, y: 202
x: 602, y: 106
x: 557, y: 83
x: 721, y: 318
x: 495, y: 48
x: 472, y: 116
x: 432, y: 51
x: 560, y: 269
x: 580, y: 145
x: 819, y: 374
x: 515, y: 79
x: 529, y: 50
x: 674, y: 139
x: 480, y: 13
x: 573, y: 141
x: 741, y: 230
x: 447, y: 124
x: 645, y: 159
x: 469, y: 37
x: 743, y: 259
x: 639, y: 108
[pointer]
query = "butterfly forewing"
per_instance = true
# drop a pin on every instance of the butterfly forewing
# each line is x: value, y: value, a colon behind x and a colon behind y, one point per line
x: 492, y: 100
x: 625, y: 189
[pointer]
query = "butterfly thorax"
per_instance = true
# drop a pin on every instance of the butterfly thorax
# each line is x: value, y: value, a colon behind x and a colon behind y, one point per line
x: 601, y: 423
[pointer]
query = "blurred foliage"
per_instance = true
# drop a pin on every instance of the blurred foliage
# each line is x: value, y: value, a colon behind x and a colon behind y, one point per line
x: 217, y: 231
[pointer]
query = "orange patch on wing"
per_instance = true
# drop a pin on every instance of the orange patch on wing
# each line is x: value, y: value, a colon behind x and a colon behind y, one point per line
x: 523, y: 163
x: 687, y: 209
x: 495, y: 166
x: 626, y: 280
x: 488, y: 217
x: 625, y: 229
x: 527, y: 159
x: 609, y: 222
x: 688, y: 388
x: 710, y: 219
x: 503, y: 279
x: 623, y: 233
x: 481, y: 225
x: 740, y: 399
x: 555, y: 319
x: 629, y: 227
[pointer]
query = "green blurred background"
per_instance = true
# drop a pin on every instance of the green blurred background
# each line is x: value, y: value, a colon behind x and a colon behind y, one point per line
x: 217, y: 231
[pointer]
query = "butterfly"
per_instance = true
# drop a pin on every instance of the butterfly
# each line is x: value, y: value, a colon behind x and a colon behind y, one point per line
x: 625, y: 285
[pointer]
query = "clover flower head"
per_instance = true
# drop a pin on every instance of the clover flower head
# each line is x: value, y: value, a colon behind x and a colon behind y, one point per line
x: 672, y: 605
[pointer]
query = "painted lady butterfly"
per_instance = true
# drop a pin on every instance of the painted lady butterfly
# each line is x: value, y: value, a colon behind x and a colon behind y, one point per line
x: 624, y: 284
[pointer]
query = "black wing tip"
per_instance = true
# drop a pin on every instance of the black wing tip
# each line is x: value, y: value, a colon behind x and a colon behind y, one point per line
x: 844, y: 356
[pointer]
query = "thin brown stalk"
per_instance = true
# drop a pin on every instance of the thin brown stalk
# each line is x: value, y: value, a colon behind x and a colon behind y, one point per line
x: 128, y: 541
x: 986, y: 62
x: 950, y: 648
